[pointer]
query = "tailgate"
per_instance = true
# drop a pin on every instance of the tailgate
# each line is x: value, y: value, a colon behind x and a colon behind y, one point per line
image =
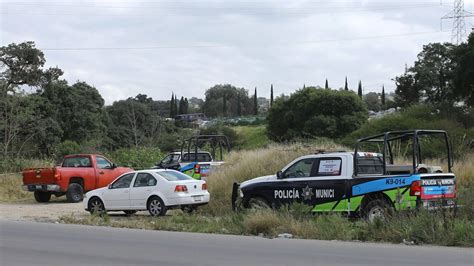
x: 438, y: 186
x: 39, y: 176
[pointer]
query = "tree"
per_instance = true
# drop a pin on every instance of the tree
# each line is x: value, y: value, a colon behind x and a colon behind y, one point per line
x: 172, y: 104
x: 464, y: 72
x: 359, y: 89
x: 182, y: 106
x: 326, y: 85
x: 345, y: 85
x: 239, y: 105
x: 383, y: 96
x: 213, y: 103
x: 271, y: 95
x: 311, y: 112
x: 224, y: 105
x: 407, y: 91
x: 255, y: 102
x: 371, y: 99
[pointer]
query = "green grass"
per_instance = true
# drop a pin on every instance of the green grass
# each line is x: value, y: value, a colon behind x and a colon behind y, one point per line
x: 251, y: 137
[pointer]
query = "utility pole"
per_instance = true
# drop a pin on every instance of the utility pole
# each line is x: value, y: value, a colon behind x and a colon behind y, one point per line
x: 458, y: 32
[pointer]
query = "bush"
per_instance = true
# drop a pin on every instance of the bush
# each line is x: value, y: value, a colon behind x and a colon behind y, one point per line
x: 137, y: 158
x: 67, y: 147
x: 314, y: 112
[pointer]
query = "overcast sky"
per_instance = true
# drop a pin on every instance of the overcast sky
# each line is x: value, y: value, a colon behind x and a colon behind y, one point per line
x: 157, y: 47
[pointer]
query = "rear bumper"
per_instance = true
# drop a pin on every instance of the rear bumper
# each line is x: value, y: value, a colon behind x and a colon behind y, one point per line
x: 198, y: 199
x: 42, y: 187
x: 431, y: 205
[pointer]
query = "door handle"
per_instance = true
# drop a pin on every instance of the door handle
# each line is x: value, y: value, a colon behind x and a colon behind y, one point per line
x: 101, y: 172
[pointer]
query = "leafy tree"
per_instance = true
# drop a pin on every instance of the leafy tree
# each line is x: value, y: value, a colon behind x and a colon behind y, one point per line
x: 239, y: 105
x: 310, y: 112
x: 407, y: 92
x: 213, y: 103
x: 464, y: 72
x: 371, y: 99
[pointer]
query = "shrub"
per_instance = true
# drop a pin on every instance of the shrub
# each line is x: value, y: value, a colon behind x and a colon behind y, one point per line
x: 137, y: 158
x: 314, y: 112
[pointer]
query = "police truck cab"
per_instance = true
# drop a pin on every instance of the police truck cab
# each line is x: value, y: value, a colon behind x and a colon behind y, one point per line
x: 369, y: 184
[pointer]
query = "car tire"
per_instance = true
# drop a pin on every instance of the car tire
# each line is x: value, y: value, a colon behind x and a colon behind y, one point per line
x: 75, y: 193
x: 377, y: 209
x: 156, y: 206
x: 96, y: 206
x: 257, y: 203
x: 42, y: 196
x: 130, y: 212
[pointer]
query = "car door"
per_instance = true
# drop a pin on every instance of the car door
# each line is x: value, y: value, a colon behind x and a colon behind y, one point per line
x: 117, y: 195
x: 143, y: 186
x: 293, y: 183
x: 327, y: 184
x: 106, y: 172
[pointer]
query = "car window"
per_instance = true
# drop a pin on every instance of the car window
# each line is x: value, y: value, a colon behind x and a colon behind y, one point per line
x: 170, y: 158
x: 329, y: 167
x: 80, y: 161
x: 301, y: 168
x: 123, y: 182
x: 144, y: 180
x: 103, y: 163
x: 173, y: 175
x: 201, y: 157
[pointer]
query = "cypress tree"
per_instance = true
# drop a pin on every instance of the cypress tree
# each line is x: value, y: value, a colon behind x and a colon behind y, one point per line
x: 359, y: 90
x: 186, y: 106
x: 271, y: 95
x: 255, y: 103
x: 345, y: 85
x: 383, y: 96
x: 239, y: 107
x: 171, y: 105
x: 224, y: 105
x: 326, y: 86
x: 181, y: 106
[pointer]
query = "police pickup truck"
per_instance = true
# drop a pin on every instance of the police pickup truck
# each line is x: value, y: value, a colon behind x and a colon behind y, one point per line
x: 367, y: 184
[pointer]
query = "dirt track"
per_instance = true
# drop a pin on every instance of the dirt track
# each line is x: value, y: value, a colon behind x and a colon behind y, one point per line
x: 40, y: 211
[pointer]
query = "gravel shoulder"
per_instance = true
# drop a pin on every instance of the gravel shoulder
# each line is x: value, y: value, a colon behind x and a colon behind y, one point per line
x: 46, y: 212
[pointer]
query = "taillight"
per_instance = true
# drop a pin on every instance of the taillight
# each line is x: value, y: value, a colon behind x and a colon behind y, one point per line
x: 204, y: 186
x: 415, y: 188
x: 57, y: 176
x: 197, y: 169
x: 181, y: 188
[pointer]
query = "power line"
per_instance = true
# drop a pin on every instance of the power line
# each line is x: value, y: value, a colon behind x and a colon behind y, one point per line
x: 240, y: 45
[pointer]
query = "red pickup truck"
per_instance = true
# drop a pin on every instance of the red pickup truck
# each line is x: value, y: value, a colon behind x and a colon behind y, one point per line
x: 77, y: 174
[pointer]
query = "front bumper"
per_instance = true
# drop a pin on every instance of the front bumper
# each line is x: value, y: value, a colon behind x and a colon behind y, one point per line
x: 42, y: 187
x: 236, y: 196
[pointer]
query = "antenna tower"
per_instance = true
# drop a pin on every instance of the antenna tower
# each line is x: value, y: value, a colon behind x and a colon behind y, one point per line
x: 458, y: 14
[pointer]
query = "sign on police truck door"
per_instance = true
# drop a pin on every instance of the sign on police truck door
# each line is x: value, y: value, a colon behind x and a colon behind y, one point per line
x: 329, y: 167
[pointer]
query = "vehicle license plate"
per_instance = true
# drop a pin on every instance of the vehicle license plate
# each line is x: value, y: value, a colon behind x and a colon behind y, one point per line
x: 39, y: 187
x: 198, y: 198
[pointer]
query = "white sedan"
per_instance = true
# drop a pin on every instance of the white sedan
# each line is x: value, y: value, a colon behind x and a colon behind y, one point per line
x: 155, y: 190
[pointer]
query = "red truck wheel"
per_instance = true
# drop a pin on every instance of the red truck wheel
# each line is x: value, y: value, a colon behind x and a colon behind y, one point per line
x: 42, y: 196
x: 74, y: 193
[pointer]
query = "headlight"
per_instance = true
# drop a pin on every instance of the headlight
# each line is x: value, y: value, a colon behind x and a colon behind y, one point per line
x: 241, y: 193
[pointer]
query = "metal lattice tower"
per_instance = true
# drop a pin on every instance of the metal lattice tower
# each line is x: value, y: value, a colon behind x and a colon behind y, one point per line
x: 458, y: 14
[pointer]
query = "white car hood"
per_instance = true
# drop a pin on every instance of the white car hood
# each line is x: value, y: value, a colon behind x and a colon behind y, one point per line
x: 258, y: 180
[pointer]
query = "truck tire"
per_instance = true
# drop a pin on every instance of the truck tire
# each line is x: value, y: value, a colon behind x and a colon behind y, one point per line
x: 377, y: 209
x: 42, y: 196
x: 156, y: 207
x: 74, y: 193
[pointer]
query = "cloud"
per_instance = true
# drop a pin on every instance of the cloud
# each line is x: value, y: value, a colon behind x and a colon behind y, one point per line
x: 248, y: 44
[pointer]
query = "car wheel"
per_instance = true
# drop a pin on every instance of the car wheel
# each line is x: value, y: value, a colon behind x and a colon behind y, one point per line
x: 75, y: 192
x: 130, y: 212
x: 42, y: 196
x: 188, y: 209
x: 96, y: 206
x: 377, y: 210
x: 156, y: 207
x: 257, y: 203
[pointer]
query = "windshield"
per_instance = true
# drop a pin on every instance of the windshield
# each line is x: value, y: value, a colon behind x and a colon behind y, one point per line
x: 173, y: 175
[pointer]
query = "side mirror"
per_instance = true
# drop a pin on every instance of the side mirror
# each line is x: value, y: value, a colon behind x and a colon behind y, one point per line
x: 279, y: 175
x: 114, y: 165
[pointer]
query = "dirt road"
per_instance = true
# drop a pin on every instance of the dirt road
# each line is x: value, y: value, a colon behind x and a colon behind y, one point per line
x: 49, y: 212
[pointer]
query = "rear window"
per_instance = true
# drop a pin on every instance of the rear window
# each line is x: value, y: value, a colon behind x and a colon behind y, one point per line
x: 173, y: 175
x: 201, y: 157
x: 81, y: 161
